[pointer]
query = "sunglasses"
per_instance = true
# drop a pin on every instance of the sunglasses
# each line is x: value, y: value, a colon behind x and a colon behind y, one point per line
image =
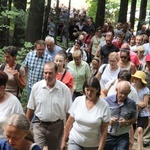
x: 125, y: 57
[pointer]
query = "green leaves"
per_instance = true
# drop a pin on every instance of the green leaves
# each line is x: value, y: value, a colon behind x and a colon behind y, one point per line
x: 11, y: 14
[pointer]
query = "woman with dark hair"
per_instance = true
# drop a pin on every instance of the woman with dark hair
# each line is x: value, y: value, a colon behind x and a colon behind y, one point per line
x: 95, y: 64
x: 15, y: 72
x: 76, y: 46
x: 9, y: 104
x: 95, y: 41
x: 125, y: 63
x: 18, y: 134
x: 87, y: 124
x: 140, y: 83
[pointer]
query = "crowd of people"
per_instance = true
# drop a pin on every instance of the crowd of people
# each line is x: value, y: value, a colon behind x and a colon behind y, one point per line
x: 92, y: 96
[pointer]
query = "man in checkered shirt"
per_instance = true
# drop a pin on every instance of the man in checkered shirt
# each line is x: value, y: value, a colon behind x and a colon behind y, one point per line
x: 34, y: 63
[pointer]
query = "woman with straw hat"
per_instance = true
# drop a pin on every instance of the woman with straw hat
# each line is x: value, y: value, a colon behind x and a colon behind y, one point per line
x: 139, y: 82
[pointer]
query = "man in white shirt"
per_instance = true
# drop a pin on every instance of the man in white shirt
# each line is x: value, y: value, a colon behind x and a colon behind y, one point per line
x: 50, y: 101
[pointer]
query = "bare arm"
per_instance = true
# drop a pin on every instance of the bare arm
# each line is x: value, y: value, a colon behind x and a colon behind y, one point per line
x: 29, y: 114
x: 104, y: 128
x: 98, y: 75
x: 133, y: 69
x: 104, y: 93
x: 21, y: 81
x: 144, y: 103
x: 68, y: 127
x: 97, y: 53
x: 90, y: 47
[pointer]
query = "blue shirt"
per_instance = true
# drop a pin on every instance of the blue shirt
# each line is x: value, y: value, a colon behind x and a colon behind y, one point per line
x: 34, y: 66
x: 4, y: 145
x: 126, y: 110
x: 53, y: 52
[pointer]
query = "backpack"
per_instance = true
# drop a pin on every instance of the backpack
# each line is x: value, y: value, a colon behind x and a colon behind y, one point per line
x: 16, y: 68
x: 69, y: 54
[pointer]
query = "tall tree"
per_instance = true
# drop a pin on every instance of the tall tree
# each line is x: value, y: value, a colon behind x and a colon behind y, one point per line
x: 100, y: 15
x: 132, y: 16
x: 142, y: 14
x: 3, y: 6
x: 123, y: 11
x: 19, y: 29
x: 35, y: 20
x: 46, y: 16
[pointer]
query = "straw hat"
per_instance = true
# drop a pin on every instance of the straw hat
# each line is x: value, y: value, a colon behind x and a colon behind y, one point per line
x: 140, y: 75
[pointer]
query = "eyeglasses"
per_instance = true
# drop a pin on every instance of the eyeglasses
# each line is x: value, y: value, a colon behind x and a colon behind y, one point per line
x: 125, y: 57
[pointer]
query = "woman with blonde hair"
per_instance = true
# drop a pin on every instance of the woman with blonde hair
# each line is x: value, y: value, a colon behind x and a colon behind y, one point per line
x: 140, y: 52
x: 109, y: 71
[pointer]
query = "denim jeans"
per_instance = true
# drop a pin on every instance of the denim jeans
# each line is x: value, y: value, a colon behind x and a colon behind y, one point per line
x: 120, y: 142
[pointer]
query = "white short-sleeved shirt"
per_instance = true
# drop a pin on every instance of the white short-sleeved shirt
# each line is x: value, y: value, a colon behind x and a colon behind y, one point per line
x: 8, y: 107
x: 107, y: 75
x: 145, y: 111
x: 86, y: 128
x: 111, y: 85
x: 50, y: 104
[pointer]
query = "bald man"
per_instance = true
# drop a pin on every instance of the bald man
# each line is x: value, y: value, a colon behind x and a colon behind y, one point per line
x: 123, y: 114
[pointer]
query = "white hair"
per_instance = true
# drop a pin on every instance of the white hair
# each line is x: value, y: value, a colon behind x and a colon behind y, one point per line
x: 49, y: 38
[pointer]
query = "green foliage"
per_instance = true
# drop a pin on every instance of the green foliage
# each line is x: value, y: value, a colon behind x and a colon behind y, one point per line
x: 11, y: 14
x: 111, y: 9
x: 2, y: 55
x: 8, y: 19
x: 8, y: 15
x: 28, y: 46
x: 63, y: 45
x: 92, y: 4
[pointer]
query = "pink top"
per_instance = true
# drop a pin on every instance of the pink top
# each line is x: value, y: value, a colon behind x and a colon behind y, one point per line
x: 134, y: 58
x: 68, y: 79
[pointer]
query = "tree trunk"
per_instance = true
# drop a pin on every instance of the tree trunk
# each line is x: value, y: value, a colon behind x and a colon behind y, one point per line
x: 8, y: 24
x: 123, y: 11
x: 69, y: 6
x: 57, y: 20
x: 3, y: 5
x: 46, y: 16
x: 100, y: 15
x: 132, y: 16
x: 19, y: 29
x: 35, y: 21
x: 142, y: 14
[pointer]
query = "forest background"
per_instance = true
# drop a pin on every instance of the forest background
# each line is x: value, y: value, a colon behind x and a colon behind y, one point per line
x: 22, y: 22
